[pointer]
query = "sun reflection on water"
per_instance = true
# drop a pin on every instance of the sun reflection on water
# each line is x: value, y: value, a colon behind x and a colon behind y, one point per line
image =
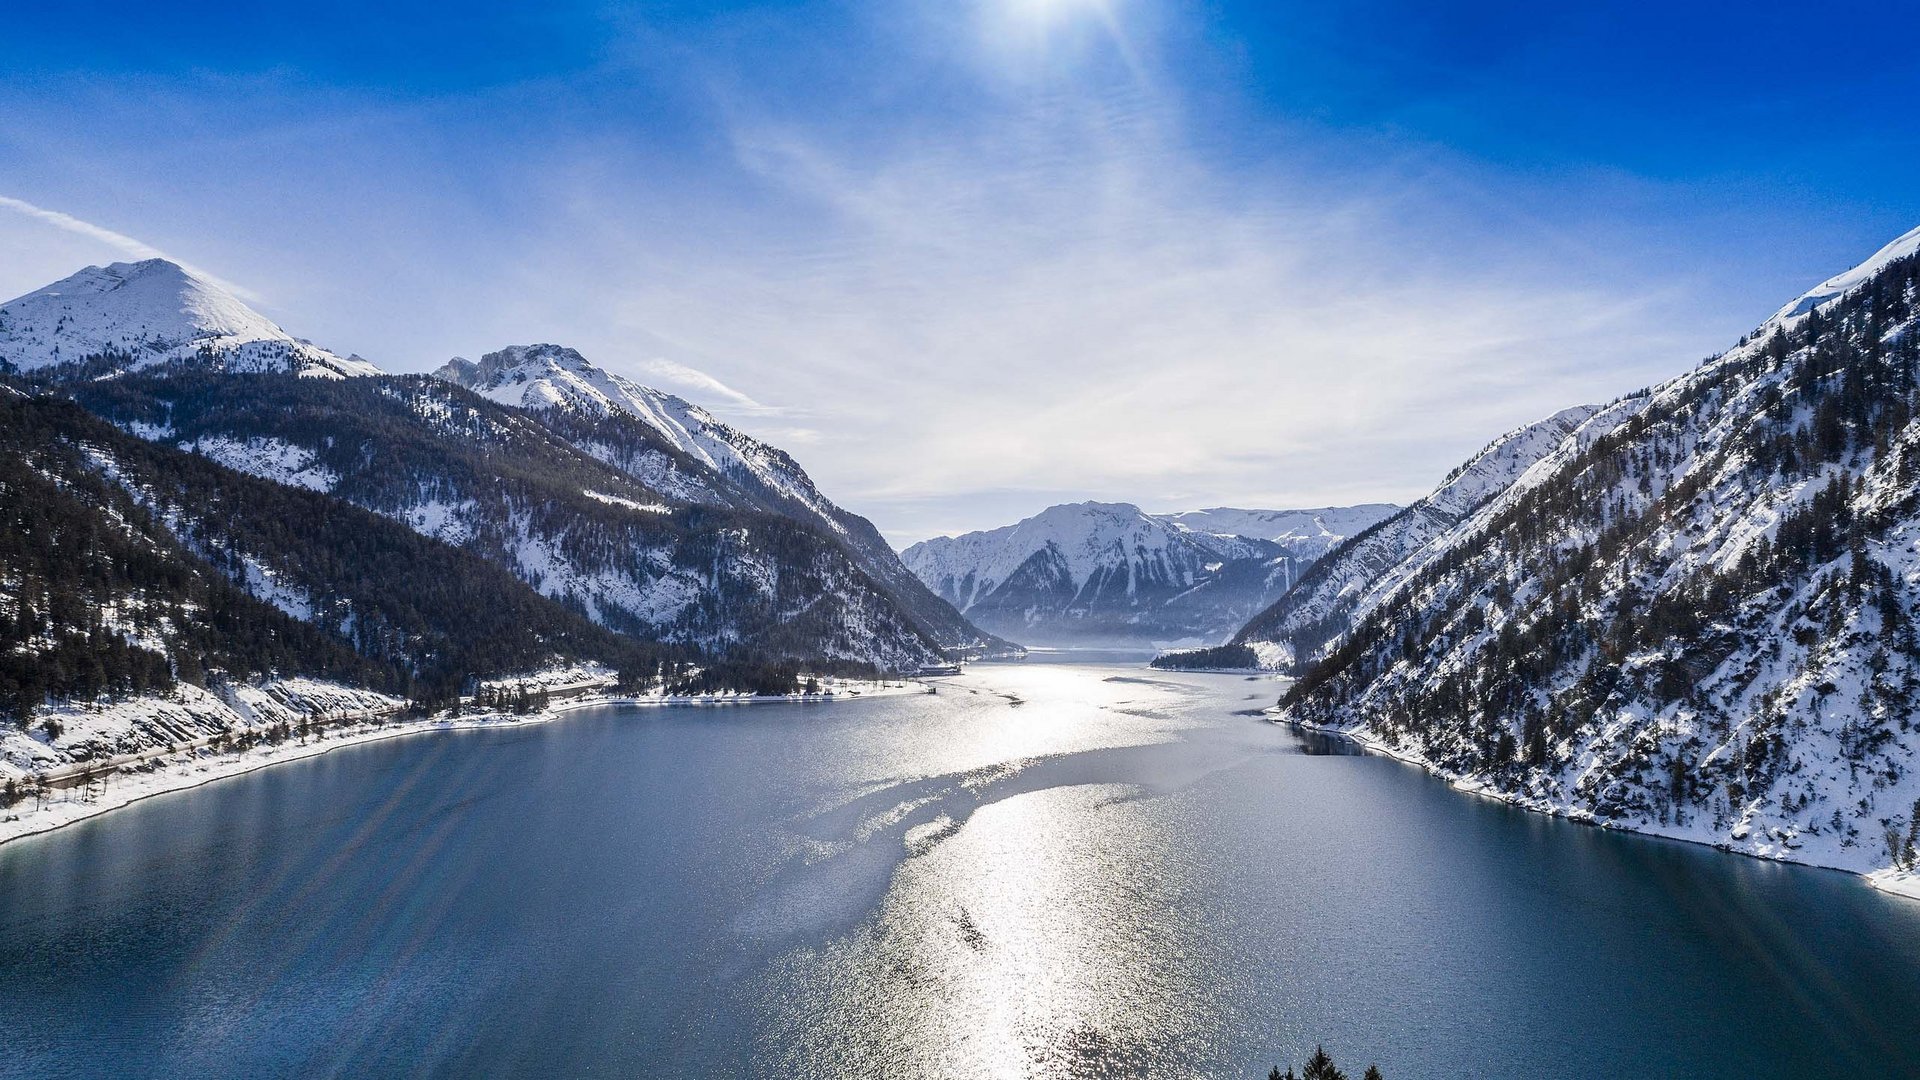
x: 1035, y: 941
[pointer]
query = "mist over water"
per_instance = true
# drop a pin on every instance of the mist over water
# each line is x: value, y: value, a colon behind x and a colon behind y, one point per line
x: 1059, y: 869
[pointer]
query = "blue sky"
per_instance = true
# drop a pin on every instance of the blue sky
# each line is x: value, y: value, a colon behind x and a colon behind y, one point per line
x: 968, y: 258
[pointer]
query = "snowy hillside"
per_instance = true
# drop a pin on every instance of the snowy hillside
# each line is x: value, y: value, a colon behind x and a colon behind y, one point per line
x: 497, y: 483
x: 1693, y: 614
x: 1840, y: 284
x: 133, y: 568
x: 137, y: 315
x: 91, y: 734
x: 632, y: 508
x: 1110, y: 573
x: 587, y: 405
x: 1349, y: 584
x: 546, y: 377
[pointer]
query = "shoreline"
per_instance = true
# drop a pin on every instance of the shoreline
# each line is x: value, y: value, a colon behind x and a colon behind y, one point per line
x: 1901, y: 883
x: 192, y: 769
x: 1251, y: 673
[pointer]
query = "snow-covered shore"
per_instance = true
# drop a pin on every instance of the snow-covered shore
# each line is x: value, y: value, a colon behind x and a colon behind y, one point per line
x: 1739, y: 841
x: 203, y: 764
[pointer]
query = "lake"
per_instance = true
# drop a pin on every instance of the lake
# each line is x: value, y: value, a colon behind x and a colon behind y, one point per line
x: 1045, y: 869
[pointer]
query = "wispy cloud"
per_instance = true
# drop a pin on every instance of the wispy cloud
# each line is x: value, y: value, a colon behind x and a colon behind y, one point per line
x: 120, y: 242
x: 1075, y: 299
x: 1056, y: 269
x: 700, y: 382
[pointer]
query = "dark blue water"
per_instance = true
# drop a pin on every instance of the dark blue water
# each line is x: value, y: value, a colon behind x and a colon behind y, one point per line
x: 1045, y: 870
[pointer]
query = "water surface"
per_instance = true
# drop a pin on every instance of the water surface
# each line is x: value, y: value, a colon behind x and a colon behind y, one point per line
x: 1043, y: 870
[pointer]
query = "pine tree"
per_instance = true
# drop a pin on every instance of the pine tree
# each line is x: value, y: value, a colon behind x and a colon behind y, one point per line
x: 1321, y: 1067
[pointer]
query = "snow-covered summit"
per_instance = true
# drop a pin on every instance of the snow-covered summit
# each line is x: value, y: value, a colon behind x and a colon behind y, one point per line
x: 546, y: 376
x: 1086, y: 535
x: 154, y: 312
x: 1839, y: 285
x: 555, y: 379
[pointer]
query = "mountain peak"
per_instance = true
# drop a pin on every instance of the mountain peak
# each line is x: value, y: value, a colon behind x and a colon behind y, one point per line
x: 554, y: 378
x: 115, y: 275
x: 545, y: 377
x: 153, y: 312
x: 518, y: 364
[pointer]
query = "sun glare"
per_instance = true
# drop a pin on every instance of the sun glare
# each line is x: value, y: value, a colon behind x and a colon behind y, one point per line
x: 1050, y: 11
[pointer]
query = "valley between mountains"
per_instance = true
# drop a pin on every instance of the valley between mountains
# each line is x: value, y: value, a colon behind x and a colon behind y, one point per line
x: 1693, y: 610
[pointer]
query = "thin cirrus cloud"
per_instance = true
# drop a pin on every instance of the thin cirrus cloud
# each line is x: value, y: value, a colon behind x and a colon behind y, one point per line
x: 661, y: 369
x: 959, y: 289
x: 1073, y: 301
x: 126, y: 245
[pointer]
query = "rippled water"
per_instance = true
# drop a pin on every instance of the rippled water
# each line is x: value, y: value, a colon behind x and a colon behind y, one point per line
x: 1044, y: 870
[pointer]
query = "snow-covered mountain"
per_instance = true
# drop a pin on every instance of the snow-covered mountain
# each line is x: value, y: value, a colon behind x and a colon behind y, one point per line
x: 135, y: 569
x: 137, y: 315
x: 1306, y: 534
x: 726, y: 577
x: 550, y: 378
x: 1694, y: 612
x: 1842, y: 283
x: 1346, y: 587
x: 588, y: 405
x: 644, y: 527
x: 1110, y: 573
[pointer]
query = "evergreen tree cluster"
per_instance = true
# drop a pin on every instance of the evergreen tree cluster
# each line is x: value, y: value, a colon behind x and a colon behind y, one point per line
x: 102, y: 600
x: 1233, y: 657
x: 1320, y: 1067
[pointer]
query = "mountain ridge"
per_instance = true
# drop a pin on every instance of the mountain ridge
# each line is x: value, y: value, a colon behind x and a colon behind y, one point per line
x: 1110, y: 573
x: 1694, y: 615
x: 641, y: 533
x: 588, y: 402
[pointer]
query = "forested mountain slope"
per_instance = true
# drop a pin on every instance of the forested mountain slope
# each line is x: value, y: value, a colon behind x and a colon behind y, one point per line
x: 639, y: 559
x: 1696, y: 614
x: 646, y: 516
x: 1346, y: 585
x: 133, y: 568
x: 630, y: 425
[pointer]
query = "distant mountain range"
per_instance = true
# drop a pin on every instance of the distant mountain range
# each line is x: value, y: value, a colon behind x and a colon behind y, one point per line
x: 1111, y: 574
x: 217, y: 477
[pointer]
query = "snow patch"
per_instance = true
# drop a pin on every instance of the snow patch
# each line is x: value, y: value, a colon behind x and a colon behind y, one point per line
x: 615, y: 500
x: 267, y: 458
